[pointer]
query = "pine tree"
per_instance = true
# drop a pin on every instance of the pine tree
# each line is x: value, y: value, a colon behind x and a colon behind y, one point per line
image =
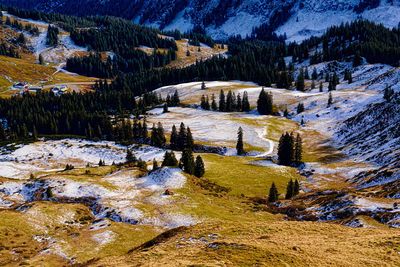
x: 214, y: 106
x: 296, y: 188
x: 182, y: 137
x: 203, y: 86
x: 330, y: 99
x: 169, y: 160
x: 298, y: 150
x: 174, y: 139
x: 222, y: 103
x: 239, y: 145
x: 199, y: 168
x: 155, y: 165
x: 175, y: 99
x: 286, y: 149
x: 300, y: 108
x: 130, y: 157
x: 245, y: 102
x: 312, y: 85
x: 321, y: 87
x: 189, y: 139
x: 388, y: 93
x: 41, y: 59
x: 273, y: 195
x: 306, y: 74
x: 165, y: 108
x: 290, y: 190
x: 314, y: 74
x: 300, y: 85
x: 187, y: 161
x: 229, y: 102
x: 207, y: 104
x: 265, y: 103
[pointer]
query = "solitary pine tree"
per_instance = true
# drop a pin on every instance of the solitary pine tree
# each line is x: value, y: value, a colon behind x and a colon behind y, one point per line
x: 330, y: 100
x: 199, y: 168
x: 203, y: 86
x: 273, y: 195
x: 239, y: 145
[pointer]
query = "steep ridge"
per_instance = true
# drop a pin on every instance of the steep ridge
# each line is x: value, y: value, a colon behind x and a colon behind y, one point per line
x: 298, y: 19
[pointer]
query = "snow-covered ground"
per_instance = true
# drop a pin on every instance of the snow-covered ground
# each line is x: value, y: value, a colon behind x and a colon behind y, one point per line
x: 118, y: 196
x: 47, y: 156
x: 214, y: 128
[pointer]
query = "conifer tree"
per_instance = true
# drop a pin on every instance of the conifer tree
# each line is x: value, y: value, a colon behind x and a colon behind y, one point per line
x: 314, y: 74
x: 174, y: 139
x: 222, y: 103
x: 300, y: 85
x: 245, y: 102
x: 290, y: 190
x: 207, y: 103
x: 182, y: 137
x: 298, y: 150
x: 165, y: 108
x: 169, y: 160
x: 203, y: 86
x: 155, y: 165
x: 300, y: 108
x: 199, y: 168
x: 214, y: 106
x: 229, y: 102
x: 175, y: 99
x: 265, y: 103
x: 286, y: 150
x: 296, y: 188
x: 130, y: 157
x: 273, y: 195
x: 189, y: 139
x: 306, y: 74
x: 330, y: 99
x: 239, y: 144
x: 321, y: 87
x: 187, y: 161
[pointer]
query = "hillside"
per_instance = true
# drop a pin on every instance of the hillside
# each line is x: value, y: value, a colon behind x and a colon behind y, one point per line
x: 121, y: 145
x: 297, y: 19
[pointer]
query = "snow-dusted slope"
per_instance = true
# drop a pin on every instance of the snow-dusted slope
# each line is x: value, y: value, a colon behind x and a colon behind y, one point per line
x: 221, y: 18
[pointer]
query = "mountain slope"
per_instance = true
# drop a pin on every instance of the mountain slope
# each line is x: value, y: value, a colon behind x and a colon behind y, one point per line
x: 298, y: 19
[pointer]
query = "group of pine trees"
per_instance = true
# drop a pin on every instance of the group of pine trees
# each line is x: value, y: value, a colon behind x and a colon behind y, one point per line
x: 226, y: 103
x: 290, y: 150
x: 19, y: 26
x: 182, y: 139
x: 187, y: 162
x: 52, y: 35
x: 265, y: 103
x: 292, y: 190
